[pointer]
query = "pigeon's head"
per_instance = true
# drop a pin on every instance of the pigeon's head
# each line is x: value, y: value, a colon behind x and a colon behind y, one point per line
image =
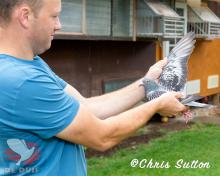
x: 149, y: 85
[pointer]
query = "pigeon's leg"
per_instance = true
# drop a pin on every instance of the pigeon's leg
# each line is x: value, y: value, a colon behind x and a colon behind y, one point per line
x: 187, y: 115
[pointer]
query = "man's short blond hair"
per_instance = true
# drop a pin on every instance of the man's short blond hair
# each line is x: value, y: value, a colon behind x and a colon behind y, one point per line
x: 7, y: 7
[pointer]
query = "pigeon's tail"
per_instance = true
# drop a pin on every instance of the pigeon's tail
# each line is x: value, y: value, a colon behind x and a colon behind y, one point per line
x: 183, y: 48
x: 190, y: 101
x: 198, y: 105
x: 190, y: 98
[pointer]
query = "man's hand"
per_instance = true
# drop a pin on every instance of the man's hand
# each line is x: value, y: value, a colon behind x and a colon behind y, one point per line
x: 170, y: 105
x: 156, y: 69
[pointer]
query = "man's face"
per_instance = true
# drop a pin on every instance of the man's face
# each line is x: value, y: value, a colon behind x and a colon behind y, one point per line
x: 44, y: 26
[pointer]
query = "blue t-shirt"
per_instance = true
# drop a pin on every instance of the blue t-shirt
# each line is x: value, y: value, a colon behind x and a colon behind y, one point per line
x: 33, y: 109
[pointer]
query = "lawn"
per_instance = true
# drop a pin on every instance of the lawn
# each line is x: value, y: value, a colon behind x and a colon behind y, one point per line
x: 200, y: 143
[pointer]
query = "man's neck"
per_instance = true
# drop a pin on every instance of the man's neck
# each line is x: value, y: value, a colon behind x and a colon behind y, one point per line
x: 16, y: 53
x: 11, y: 45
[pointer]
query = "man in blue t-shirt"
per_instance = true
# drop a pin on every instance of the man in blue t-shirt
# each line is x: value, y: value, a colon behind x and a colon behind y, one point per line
x: 43, y: 120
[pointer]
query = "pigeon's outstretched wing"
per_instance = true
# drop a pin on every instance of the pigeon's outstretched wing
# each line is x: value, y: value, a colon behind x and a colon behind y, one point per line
x: 174, y: 75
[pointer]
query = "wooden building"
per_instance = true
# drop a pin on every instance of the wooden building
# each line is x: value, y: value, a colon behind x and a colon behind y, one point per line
x: 106, y: 44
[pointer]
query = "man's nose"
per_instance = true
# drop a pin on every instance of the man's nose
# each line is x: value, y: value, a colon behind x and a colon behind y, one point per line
x: 58, y: 25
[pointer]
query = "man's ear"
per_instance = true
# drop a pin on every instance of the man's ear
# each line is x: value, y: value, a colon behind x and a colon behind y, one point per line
x: 24, y: 16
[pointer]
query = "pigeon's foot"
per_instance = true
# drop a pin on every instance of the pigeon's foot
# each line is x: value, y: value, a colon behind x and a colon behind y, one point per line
x: 187, y: 115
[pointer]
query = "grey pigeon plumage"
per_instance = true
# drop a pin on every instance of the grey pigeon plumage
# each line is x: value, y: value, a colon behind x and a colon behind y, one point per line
x: 174, y: 74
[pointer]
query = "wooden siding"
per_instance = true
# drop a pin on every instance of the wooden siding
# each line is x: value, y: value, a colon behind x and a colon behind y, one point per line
x: 205, y: 61
x: 87, y: 64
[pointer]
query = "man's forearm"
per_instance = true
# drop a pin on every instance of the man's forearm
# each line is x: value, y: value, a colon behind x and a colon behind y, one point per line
x: 113, y: 103
x: 123, y: 125
x: 116, y: 102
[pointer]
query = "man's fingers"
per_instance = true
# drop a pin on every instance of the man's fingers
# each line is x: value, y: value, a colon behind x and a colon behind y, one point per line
x: 161, y: 63
x: 178, y: 95
x: 165, y: 58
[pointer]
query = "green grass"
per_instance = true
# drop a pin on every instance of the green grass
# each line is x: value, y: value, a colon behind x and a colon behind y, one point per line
x: 201, y: 142
x: 142, y: 131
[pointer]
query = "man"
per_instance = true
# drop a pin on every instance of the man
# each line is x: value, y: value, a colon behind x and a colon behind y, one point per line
x: 43, y: 120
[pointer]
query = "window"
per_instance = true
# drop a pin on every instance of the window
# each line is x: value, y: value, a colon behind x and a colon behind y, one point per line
x: 112, y: 85
x: 72, y: 16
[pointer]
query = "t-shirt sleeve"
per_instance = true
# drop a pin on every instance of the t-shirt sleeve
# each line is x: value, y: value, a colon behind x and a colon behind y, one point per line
x: 43, y: 108
x: 61, y: 81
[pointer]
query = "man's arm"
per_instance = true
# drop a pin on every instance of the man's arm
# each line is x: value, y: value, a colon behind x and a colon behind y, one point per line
x: 112, y: 103
x: 118, y: 101
x: 88, y: 130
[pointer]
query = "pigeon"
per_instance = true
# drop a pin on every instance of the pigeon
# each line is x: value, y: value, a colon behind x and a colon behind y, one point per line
x: 154, y: 90
x: 174, y: 74
x: 20, y: 147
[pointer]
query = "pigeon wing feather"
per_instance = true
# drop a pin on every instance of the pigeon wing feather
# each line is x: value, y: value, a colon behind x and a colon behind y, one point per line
x: 174, y: 75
